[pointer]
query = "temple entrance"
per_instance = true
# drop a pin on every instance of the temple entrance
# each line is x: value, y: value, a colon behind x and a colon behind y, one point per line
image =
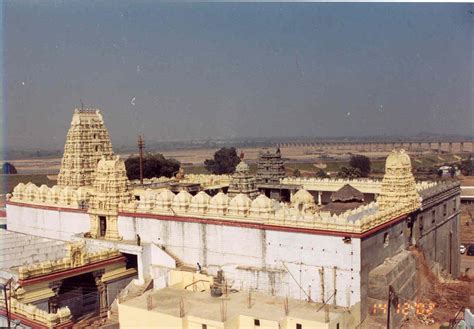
x: 80, y: 294
x: 102, y: 226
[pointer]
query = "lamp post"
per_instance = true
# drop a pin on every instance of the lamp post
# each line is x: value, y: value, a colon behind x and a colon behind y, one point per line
x: 3, y: 286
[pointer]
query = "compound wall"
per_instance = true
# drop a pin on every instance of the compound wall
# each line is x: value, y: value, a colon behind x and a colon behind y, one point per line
x: 50, y: 223
x: 278, y: 262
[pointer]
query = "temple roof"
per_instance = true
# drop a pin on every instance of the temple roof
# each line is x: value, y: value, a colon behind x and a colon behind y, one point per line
x: 347, y: 193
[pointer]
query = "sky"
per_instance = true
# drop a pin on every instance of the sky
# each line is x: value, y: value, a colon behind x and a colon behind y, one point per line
x: 186, y: 71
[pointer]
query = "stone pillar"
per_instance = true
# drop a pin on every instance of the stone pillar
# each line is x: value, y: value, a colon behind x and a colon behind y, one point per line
x: 102, y: 289
x: 53, y: 302
x: 112, y: 228
x: 94, y: 230
x: 140, y: 269
x: 320, y: 202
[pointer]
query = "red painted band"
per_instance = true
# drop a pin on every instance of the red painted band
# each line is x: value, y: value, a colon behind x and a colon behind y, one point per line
x: 38, y: 206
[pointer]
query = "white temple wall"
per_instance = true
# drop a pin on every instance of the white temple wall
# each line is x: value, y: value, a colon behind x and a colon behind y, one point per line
x: 48, y: 223
x: 260, y: 259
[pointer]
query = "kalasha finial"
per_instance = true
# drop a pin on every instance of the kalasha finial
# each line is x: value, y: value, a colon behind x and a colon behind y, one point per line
x: 241, y: 155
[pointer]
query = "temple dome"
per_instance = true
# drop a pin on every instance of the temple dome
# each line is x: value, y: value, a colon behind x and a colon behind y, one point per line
x: 240, y: 201
x: 262, y: 202
x: 165, y: 199
x: 182, y: 200
x: 398, y: 159
x: 201, y: 199
x: 220, y: 200
x: 242, y: 167
x: 302, y: 197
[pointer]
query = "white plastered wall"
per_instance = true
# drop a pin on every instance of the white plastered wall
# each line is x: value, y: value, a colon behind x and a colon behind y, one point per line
x: 53, y: 224
x: 260, y: 259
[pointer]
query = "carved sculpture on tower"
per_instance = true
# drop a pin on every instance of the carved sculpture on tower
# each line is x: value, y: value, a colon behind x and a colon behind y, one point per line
x: 242, y: 181
x: 398, y: 184
x: 110, y: 190
x: 87, y: 140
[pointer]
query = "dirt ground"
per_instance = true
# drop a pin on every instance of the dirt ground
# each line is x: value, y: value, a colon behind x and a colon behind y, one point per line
x: 447, y: 296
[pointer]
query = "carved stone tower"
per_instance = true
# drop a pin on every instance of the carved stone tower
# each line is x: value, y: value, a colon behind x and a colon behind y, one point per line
x: 398, y: 184
x: 87, y: 141
x: 243, y: 182
x: 110, y: 190
x: 270, y: 168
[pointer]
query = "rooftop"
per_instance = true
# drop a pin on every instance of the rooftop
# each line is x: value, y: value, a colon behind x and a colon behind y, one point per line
x: 264, y: 306
x: 17, y: 249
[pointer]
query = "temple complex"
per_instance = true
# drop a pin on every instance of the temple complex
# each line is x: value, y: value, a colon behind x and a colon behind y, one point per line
x: 152, y: 256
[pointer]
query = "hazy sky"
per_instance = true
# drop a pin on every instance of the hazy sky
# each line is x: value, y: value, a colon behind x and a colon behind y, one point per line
x: 188, y: 70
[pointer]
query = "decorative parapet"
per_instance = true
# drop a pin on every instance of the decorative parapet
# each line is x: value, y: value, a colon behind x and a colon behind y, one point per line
x: 56, y: 196
x: 153, y: 180
x: 266, y: 211
x: 328, y: 184
x: 29, y: 311
x: 76, y: 256
x: 207, y: 181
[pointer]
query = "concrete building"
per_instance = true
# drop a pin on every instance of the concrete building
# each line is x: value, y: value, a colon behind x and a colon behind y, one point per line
x: 274, y: 249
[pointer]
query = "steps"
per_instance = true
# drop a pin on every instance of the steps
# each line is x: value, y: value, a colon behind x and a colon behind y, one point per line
x: 180, y: 264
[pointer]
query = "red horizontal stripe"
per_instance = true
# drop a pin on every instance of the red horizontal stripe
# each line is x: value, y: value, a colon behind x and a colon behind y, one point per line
x: 39, y: 206
x: 259, y: 226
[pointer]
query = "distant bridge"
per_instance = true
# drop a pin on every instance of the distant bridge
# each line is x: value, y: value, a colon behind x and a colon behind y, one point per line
x: 451, y: 146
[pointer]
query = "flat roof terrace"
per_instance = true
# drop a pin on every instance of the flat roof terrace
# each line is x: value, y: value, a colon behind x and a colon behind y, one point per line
x: 203, y: 305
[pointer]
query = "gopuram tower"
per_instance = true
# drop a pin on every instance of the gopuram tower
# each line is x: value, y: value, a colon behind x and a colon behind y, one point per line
x: 110, y: 190
x: 87, y: 141
x: 398, y: 183
x: 242, y: 181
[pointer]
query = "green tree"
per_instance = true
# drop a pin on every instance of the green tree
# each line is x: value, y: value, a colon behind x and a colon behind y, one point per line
x: 224, y: 162
x: 467, y: 166
x: 296, y: 173
x: 362, y: 163
x: 154, y: 165
x: 8, y: 168
x: 349, y: 173
x: 321, y: 174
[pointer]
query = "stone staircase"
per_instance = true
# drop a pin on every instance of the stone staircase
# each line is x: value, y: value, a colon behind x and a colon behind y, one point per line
x: 129, y: 292
x: 180, y: 264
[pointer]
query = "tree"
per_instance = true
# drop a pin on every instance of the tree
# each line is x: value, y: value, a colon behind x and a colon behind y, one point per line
x: 296, y: 173
x: 467, y: 166
x: 321, y: 174
x: 452, y: 171
x: 349, y: 173
x: 362, y: 163
x: 8, y: 168
x: 440, y: 173
x: 154, y: 165
x: 224, y: 162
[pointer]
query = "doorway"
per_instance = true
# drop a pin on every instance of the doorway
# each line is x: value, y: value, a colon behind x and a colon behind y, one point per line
x: 102, y: 226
